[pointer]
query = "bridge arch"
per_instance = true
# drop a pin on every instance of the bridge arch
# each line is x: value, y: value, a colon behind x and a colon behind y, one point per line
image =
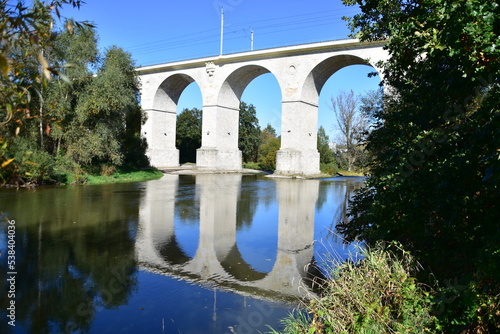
x: 160, y: 127
x: 233, y: 87
x: 172, y: 253
x: 168, y: 93
x: 219, y: 140
x: 319, y: 75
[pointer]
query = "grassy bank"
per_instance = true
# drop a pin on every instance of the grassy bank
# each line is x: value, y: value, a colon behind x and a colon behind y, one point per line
x: 119, y: 176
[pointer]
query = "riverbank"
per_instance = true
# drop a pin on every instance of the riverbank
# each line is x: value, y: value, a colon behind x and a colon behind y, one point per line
x: 120, y: 176
x: 190, y: 169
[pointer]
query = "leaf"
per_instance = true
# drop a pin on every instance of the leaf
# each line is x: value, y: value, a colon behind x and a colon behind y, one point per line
x: 45, y: 66
x: 4, y: 65
x: 5, y: 163
x: 65, y: 78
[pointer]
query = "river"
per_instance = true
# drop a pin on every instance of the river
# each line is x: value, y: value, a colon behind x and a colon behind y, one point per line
x: 206, y: 253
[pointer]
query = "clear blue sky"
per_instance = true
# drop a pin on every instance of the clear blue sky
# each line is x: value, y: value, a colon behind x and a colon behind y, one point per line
x: 163, y: 31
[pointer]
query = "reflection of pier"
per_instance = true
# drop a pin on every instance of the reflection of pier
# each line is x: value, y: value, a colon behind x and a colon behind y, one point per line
x: 218, y: 259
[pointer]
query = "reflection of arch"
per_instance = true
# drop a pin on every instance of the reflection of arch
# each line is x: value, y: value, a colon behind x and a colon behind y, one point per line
x: 323, y: 71
x: 172, y: 252
x: 236, y: 266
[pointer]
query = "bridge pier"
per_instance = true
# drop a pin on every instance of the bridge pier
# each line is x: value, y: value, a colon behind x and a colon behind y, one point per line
x: 159, y: 132
x: 298, y: 153
x: 219, y: 139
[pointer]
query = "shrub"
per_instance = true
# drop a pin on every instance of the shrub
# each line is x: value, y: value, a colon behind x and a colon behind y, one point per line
x: 330, y: 168
x: 377, y: 294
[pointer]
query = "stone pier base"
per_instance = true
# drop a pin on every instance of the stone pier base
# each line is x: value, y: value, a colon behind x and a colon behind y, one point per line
x: 297, y: 162
x: 218, y: 159
x: 166, y: 157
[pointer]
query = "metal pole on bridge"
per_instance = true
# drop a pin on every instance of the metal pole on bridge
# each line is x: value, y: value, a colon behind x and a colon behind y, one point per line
x: 221, y: 29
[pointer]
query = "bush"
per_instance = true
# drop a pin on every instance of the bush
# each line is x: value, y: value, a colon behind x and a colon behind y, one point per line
x: 377, y: 294
x: 251, y: 165
x: 330, y: 168
x: 267, y: 154
x: 30, y: 165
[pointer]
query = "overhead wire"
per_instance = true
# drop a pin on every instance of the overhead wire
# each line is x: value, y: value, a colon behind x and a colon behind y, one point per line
x: 263, y: 27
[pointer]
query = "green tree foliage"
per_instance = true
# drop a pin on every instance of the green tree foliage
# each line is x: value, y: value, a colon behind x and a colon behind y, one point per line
x: 188, y: 134
x: 270, y: 144
x: 436, y: 158
x: 325, y: 153
x: 74, y: 108
x: 327, y: 161
x: 25, y: 72
x: 248, y: 133
x: 96, y: 131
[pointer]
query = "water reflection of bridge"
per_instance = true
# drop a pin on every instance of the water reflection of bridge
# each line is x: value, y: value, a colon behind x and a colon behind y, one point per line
x: 217, y: 258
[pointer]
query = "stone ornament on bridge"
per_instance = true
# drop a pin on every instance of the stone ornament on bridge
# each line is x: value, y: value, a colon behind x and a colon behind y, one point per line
x: 210, y: 67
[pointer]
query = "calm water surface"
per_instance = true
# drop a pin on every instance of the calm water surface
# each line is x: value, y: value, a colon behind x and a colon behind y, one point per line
x: 221, y: 253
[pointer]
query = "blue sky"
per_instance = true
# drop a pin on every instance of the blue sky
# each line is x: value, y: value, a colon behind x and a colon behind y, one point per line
x: 163, y: 31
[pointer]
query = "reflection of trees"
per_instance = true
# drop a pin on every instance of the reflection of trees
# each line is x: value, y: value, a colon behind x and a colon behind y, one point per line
x: 248, y: 202
x: 187, y: 206
x: 74, y: 255
x: 268, y: 194
x: 322, y: 195
x: 343, y: 196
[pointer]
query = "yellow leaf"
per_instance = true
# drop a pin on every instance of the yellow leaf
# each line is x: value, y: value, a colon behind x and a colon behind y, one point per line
x: 45, y: 66
x: 5, y: 163
x: 4, y: 65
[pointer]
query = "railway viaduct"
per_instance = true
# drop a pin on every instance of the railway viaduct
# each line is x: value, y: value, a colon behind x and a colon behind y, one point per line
x: 300, y: 70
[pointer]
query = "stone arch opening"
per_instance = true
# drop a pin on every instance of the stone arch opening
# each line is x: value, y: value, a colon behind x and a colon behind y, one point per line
x: 263, y: 94
x: 233, y: 87
x: 221, y: 121
x: 173, y: 253
x: 168, y: 93
x: 320, y: 74
x: 160, y: 127
x: 352, y: 78
x: 189, y: 120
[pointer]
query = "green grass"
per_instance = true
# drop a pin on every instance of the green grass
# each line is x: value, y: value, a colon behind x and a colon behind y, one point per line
x: 377, y: 294
x: 252, y: 165
x: 119, y: 176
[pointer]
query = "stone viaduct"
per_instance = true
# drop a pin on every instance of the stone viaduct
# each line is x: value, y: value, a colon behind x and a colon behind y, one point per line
x: 301, y: 71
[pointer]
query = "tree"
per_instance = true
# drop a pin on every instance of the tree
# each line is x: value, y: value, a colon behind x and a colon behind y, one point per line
x: 267, y: 154
x: 96, y: 133
x: 436, y: 164
x: 74, y: 112
x: 25, y: 71
x: 248, y: 133
x: 270, y: 144
x: 188, y: 134
x: 325, y: 152
x: 352, y: 125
